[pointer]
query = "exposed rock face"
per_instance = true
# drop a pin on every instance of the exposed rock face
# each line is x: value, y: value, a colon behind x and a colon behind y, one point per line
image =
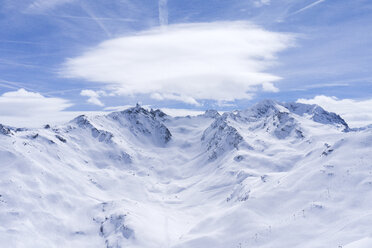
x: 82, y: 121
x: 261, y: 110
x: 267, y: 108
x: 5, y: 130
x: 103, y: 136
x: 220, y: 137
x: 122, y: 157
x: 60, y: 138
x: 285, y: 125
x: 113, y: 227
x: 317, y: 114
x: 144, y: 123
x: 157, y: 113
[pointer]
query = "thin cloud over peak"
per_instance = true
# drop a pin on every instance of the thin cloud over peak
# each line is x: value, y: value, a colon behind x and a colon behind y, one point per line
x: 215, y: 61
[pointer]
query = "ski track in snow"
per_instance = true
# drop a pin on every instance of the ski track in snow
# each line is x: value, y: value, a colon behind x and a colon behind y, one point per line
x: 274, y: 175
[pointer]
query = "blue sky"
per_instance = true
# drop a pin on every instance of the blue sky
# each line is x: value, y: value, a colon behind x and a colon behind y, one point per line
x: 82, y: 55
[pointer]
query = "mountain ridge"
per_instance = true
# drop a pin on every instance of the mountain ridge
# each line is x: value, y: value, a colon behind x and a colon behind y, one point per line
x: 141, y: 178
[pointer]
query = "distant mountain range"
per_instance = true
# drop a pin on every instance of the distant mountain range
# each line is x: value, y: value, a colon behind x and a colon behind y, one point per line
x: 274, y: 175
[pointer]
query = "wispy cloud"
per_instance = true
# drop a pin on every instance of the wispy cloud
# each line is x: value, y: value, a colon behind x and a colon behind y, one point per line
x: 100, y: 18
x: 14, y: 63
x: 22, y: 42
x: 42, y: 5
x: 13, y: 85
x: 308, y: 7
x: 217, y: 61
x: 97, y: 20
x: 163, y: 12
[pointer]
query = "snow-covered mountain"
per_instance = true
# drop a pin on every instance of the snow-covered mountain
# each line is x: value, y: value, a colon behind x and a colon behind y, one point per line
x: 273, y: 175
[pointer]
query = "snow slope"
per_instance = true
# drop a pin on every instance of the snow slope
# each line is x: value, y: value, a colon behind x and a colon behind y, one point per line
x: 273, y: 175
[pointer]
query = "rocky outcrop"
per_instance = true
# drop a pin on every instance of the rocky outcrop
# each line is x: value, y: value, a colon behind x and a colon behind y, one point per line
x: 285, y: 126
x: 142, y: 122
x: 5, y: 130
x: 112, y: 227
x: 317, y: 114
x: 220, y: 137
x: 103, y: 136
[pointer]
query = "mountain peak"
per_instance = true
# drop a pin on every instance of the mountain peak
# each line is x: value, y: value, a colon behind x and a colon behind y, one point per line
x: 265, y: 106
x: 211, y: 113
x: 314, y: 112
x: 317, y: 114
x: 142, y: 122
x: 5, y: 130
x: 82, y: 121
x: 131, y: 183
x: 220, y: 137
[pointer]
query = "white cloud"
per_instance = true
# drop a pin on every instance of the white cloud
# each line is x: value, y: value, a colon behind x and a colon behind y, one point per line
x: 176, y: 97
x: 356, y: 113
x: 24, y: 108
x: 93, y: 96
x: 217, y: 61
x: 29, y: 103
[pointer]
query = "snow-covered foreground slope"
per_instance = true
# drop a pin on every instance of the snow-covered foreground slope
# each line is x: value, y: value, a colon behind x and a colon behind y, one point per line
x: 274, y: 175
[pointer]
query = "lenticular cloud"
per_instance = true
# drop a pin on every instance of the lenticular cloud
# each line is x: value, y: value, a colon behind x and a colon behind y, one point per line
x: 215, y: 61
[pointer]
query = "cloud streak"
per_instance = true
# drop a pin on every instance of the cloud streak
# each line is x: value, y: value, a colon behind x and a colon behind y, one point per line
x: 163, y: 12
x: 308, y: 7
x: 42, y: 5
x: 215, y: 61
x: 77, y: 18
x: 97, y: 20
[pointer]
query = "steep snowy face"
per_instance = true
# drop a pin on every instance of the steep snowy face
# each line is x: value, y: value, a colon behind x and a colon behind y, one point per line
x: 142, y: 122
x: 262, y: 109
x: 317, y: 114
x: 269, y: 117
x: 146, y: 126
x: 220, y: 137
x: 4, y: 130
x: 283, y: 120
x: 285, y: 125
x: 267, y: 108
x: 83, y: 122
